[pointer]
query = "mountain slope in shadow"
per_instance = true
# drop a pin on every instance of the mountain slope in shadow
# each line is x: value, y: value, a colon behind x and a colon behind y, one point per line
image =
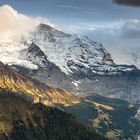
x: 21, y: 120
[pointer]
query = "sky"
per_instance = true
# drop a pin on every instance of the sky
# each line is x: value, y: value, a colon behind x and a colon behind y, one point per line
x: 114, y: 23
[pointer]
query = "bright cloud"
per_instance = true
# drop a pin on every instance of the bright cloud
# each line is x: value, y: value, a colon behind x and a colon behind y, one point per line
x: 14, y: 24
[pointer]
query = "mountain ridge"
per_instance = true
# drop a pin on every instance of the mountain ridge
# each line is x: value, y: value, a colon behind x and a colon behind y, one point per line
x: 73, y: 63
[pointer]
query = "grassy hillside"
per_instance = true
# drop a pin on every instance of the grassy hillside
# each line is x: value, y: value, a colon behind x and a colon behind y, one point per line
x: 111, y: 117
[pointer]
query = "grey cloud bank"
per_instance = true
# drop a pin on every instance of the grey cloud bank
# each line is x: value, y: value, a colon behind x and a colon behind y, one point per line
x: 128, y: 2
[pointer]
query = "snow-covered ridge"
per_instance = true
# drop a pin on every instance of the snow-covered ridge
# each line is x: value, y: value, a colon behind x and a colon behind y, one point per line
x: 10, y: 53
x: 71, y: 53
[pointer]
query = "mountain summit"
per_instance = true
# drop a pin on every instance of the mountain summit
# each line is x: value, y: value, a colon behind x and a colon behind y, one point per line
x: 73, y: 53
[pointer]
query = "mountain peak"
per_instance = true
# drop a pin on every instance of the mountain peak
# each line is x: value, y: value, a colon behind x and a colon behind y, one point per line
x: 33, y: 48
x: 74, y: 53
x: 44, y: 27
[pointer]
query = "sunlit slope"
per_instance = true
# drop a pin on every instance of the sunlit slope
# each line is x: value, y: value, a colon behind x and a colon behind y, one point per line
x: 33, y: 89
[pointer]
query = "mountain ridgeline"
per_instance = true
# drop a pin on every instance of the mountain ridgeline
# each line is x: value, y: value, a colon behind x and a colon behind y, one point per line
x: 71, y: 62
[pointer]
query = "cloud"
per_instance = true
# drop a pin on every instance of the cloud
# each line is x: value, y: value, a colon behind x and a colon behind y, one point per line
x: 126, y: 29
x: 127, y: 2
x: 69, y: 7
x: 131, y: 29
x: 14, y: 24
x: 89, y: 11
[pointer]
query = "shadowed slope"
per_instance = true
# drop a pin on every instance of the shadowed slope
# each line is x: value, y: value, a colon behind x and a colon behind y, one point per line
x: 20, y: 120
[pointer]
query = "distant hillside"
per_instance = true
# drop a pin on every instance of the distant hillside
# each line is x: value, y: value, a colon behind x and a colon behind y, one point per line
x: 113, y: 118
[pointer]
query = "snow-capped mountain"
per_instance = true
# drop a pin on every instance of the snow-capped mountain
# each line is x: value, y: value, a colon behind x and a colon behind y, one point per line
x: 74, y: 63
x: 73, y: 53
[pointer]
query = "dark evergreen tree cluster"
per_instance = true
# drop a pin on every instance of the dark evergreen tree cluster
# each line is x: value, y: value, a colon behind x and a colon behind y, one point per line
x: 38, y: 122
